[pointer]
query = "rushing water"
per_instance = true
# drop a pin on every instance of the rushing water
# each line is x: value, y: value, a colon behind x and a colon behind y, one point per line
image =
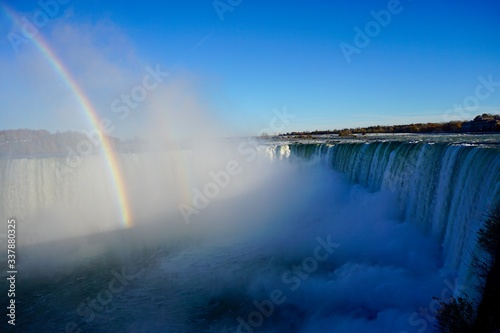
x: 352, y: 235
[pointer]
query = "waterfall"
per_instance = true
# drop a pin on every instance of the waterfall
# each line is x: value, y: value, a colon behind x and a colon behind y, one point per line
x: 446, y: 189
x: 403, y: 217
x: 54, y: 197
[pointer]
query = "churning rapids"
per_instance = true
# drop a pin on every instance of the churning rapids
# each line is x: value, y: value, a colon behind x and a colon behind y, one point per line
x: 345, y: 236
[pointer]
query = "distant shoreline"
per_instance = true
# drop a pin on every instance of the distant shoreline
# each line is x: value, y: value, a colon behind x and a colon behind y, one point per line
x: 481, y: 124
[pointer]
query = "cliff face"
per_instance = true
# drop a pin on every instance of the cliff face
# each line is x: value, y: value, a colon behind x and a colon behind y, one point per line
x: 482, y: 123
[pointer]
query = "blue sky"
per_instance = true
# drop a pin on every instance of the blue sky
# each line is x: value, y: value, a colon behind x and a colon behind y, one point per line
x: 231, y: 74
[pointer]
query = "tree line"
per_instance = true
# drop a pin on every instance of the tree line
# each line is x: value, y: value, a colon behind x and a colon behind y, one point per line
x: 481, y: 123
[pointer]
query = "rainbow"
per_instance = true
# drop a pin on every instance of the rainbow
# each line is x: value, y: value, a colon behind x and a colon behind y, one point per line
x: 91, y: 113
